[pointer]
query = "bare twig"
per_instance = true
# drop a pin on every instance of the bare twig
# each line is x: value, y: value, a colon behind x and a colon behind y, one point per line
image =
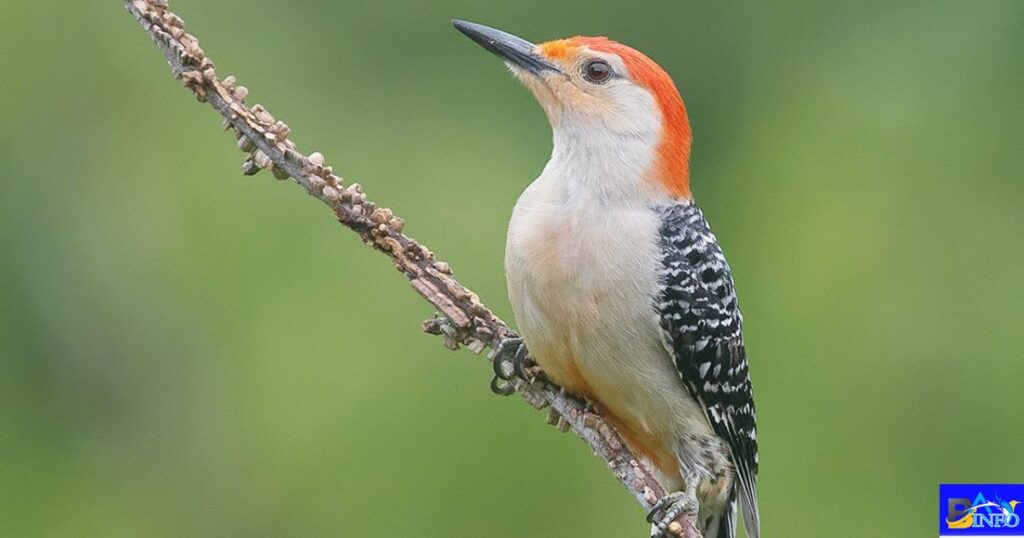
x: 466, y: 321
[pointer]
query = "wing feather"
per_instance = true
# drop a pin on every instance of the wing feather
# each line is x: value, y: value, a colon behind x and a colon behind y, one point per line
x: 703, y: 330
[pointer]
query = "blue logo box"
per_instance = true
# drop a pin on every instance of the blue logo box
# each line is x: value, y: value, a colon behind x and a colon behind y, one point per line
x: 981, y: 510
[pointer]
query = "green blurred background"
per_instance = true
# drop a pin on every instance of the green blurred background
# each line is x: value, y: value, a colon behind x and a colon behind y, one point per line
x: 188, y: 352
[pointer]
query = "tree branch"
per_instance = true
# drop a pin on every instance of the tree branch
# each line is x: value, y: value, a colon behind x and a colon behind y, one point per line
x: 466, y: 321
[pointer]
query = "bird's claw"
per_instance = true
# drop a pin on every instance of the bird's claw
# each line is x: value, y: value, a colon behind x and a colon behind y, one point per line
x: 668, y: 508
x: 508, y: 362
x: 501, y: 388
x: 512, y: 352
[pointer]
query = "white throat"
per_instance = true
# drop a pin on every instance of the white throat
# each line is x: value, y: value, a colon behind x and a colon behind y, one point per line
x: 602, y: 168
x: 605, y: 157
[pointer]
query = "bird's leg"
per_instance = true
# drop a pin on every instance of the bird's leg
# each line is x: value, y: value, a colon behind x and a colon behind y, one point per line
x: 521, y: 362
x: 507, y: 362
x: 670, y: 506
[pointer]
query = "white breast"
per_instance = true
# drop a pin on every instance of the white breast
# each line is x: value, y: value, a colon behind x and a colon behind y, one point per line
x: 581, y: 278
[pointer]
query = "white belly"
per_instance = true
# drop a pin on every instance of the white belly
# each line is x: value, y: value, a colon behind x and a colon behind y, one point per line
x: 581, y: 279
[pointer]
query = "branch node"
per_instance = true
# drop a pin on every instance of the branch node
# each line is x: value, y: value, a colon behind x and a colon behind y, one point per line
x: 246, y: 145
x: 249, y: 168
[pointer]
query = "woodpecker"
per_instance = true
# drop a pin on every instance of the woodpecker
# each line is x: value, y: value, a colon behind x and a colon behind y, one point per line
x: 620, y: 290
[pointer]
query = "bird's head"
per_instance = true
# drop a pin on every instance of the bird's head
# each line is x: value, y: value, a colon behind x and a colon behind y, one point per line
x: 604, y: 95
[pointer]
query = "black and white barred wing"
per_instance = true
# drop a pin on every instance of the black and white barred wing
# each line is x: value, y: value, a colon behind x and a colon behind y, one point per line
x: 703, y: 332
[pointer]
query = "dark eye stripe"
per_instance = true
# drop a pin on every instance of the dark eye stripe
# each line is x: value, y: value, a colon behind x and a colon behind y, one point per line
x: 597, y: 71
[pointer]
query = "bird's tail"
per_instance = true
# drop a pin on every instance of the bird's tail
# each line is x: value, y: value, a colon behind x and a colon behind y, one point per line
x: 721, y: 522
x: 751, y: 515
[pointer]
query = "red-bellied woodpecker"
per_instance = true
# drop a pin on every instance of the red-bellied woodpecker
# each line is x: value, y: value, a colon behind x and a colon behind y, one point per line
x: 620, y: 290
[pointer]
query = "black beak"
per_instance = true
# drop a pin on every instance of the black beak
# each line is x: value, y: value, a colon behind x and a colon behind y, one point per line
x: 514, y: 50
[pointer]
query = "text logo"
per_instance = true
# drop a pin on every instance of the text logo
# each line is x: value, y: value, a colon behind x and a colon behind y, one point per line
x: 981, y: 509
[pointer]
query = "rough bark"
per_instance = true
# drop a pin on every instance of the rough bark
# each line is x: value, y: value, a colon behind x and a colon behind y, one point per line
x: 463, y: 320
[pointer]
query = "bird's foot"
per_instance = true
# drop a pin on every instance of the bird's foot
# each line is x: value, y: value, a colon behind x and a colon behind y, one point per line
x: 668, y: 508
x: 509, y: 361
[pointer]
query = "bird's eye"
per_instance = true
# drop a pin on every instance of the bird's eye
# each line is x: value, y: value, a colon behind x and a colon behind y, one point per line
x: 597, y: 71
